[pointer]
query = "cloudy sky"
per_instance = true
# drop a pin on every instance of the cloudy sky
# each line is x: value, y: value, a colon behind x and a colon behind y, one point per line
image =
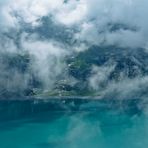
x: 94, y: 18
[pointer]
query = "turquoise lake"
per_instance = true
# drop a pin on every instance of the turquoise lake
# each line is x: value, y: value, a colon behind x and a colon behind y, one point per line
x: 79, y: 124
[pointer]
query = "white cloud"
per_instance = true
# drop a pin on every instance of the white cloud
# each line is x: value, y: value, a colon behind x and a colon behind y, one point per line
x: 101, y: 13
x: 128, y: 88
x: 29, y: 11
x: 71, y: 13
x: 46, y: 58
x: 99, y: 76
x: 91, y: 17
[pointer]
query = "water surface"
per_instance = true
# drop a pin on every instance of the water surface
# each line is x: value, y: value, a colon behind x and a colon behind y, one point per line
x: 72, y: 124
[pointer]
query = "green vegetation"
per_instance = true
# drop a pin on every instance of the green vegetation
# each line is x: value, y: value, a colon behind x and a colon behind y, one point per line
x: 62, y: 93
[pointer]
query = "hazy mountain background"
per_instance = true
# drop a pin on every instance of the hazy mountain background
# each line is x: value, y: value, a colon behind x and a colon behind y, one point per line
x: 74, y: 48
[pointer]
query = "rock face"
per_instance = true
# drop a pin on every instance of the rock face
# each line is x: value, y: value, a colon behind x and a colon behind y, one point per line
x: 113, y: 65
x: 127, y: 64
x: 49, y: 51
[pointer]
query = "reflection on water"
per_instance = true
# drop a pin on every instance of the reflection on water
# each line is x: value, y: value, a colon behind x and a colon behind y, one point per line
x: 74, y: 125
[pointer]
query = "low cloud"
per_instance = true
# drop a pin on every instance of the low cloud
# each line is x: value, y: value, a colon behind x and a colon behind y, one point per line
x: 47, y: 58
x: 99, y: 77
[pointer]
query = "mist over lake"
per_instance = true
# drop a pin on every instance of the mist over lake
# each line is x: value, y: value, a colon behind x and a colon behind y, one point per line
x: 73, y: 73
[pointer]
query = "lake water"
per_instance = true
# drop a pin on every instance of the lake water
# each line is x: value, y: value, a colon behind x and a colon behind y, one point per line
x: 72, y: 124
